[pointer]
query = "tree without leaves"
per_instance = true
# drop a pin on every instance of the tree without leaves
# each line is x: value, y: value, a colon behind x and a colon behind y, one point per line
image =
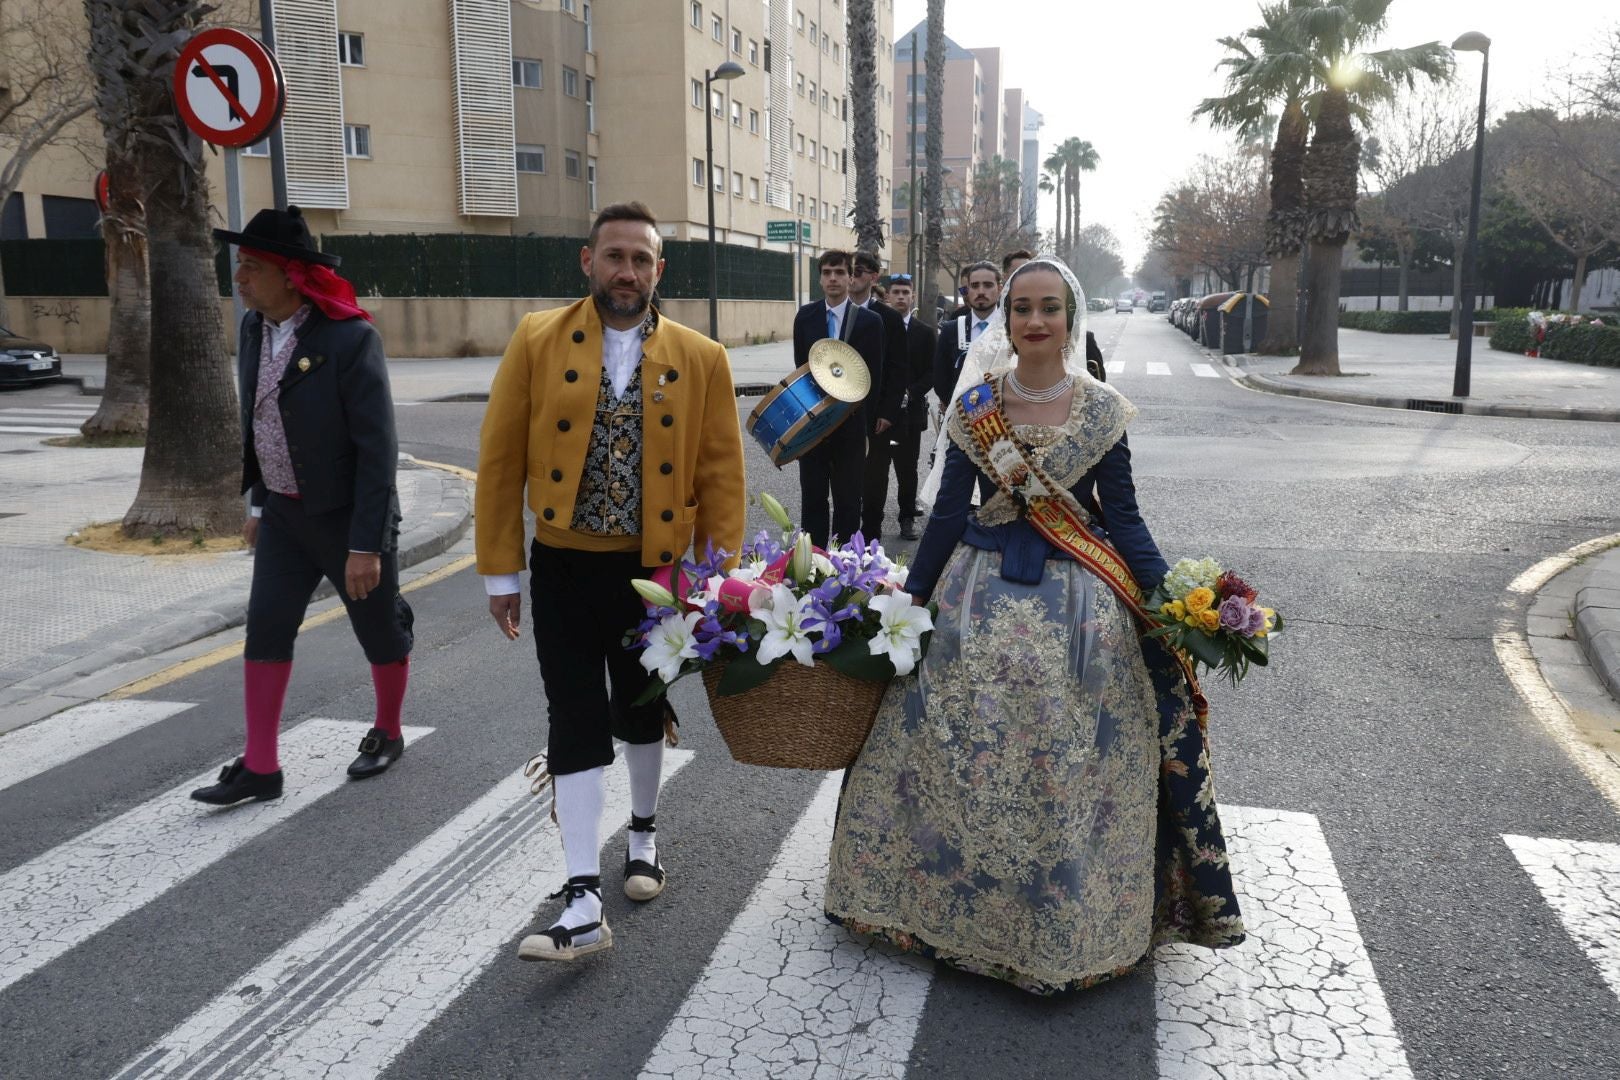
x: 988, y: 220
x: 193, y: 446
x: 1552, y: 179
x: 1215, y: 217
x: 863, y: 81
x: 1096, y: 259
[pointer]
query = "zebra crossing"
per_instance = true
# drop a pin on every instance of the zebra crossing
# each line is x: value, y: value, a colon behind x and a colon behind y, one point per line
x: 783, y: 993
x: 1160, y: 368
x: 46, y: 418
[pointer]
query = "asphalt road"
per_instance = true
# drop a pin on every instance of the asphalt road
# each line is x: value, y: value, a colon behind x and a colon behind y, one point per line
x: 1386, y: 733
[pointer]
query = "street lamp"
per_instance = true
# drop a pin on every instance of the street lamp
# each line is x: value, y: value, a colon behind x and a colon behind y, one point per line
x: 726, y: 72
x: 1473, y: 41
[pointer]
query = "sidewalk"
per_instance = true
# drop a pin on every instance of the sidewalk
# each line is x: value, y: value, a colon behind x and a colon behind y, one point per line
x: 1415, y: 371
x: 72, y: 613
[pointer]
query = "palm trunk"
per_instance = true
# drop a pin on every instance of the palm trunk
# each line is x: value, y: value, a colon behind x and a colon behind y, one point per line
x: 1319, y: 345
x: 129, y: 332
x: 1578, y: 284
x: 1285, y: 232
x: 1331, y: 167
x: 935, y: 149
x: 189, y: 478
x: 1282, y: 326
x: 862, y: 48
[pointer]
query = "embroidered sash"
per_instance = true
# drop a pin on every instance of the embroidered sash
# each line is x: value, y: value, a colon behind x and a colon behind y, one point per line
x: 1053, y: 512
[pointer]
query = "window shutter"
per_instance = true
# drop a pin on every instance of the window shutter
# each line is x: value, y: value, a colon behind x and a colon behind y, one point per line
x: 312, y: 126
x: 481, y: 44
x: 779, y: 162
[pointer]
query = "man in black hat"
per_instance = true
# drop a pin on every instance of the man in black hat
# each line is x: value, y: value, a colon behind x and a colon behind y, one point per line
x: 318, y: 455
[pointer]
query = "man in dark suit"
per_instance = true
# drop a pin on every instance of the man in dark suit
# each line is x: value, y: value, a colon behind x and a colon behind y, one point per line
x: 863, y: 278
x: 904, y: 441
x: 837, y: 465
x: 319, y: 454
x: 956, y: 335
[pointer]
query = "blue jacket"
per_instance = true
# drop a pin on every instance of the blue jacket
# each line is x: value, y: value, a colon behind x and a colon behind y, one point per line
x: 1023, y: 550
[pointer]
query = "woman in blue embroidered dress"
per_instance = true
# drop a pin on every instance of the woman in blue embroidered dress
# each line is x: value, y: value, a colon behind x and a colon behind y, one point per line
x: 1035, y: 804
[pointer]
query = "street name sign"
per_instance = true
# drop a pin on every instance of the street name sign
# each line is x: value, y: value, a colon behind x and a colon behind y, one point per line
x: 228, y: 87
x: 779, y: 232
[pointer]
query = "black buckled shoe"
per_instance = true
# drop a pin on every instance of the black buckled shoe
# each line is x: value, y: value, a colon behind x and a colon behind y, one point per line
x: 237, y: 783
x: 377, y: 752
x: 908, y: 529
x: 643, y: 880
x: 558, y: 941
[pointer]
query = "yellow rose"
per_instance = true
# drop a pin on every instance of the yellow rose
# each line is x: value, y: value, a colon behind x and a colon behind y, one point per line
x: 1175, y: 609
x: 1209, y: 620
x: 1271, y: 620
x: 1200, y: 600
x: 1192, y: 621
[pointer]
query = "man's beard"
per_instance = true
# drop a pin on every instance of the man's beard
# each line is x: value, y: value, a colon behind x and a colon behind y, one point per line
x: 603, y: 296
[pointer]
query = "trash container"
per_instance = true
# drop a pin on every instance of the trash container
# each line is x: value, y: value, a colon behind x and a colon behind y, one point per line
x: 1207, y: 327
x: 1232, y: 322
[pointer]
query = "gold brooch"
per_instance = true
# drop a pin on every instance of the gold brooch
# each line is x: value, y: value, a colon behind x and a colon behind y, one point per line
x: 303, y: 363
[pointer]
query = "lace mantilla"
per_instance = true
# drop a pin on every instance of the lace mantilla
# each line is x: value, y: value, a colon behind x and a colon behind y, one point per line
x: 1098, y: 416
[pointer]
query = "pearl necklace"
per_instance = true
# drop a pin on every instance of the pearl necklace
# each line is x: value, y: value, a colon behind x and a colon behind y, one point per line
x: 1039, y: 397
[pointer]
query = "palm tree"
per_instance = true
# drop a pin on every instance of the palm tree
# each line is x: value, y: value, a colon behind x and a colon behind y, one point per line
x: 934, y: 63
x: 1079, y: 156
x: 193, y: 447
x: 863, y: 35
x: 1349, y: 81
x: 1052, y: 181
x: 1277, y: 69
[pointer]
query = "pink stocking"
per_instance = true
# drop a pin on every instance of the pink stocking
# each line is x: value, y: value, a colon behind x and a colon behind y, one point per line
x: 264, y: 685
x: 389, y: 681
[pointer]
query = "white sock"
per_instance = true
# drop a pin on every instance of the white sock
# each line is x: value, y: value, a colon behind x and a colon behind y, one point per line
x: 645, y: 762
x: 579, y: 815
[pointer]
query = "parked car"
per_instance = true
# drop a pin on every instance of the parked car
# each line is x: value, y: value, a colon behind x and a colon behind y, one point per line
x: 23, y: 360
x: 1126, y: 304
x: 1157, y: 303
x: 1096, y: 303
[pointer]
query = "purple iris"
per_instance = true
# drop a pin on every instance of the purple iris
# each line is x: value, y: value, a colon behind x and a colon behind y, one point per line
x: 701, y: 572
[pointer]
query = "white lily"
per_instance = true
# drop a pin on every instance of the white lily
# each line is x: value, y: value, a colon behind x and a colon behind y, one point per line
x: 801, y: 559
x: 896, y: 574
x: 653, y: 593
x: 750, y: 569
x: 822, y: 566
x: 670, y: 644
x: 775, y: 509
x: 899, y: 635
x: 784, y: 615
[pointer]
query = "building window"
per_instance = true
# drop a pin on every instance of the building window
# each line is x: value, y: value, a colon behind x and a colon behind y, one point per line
x: 799, y: 84
x: 590, y: 104
x: 736, y: 114
x: 571, y: 165
x: 837, y: 59
x: 753, y: 121
x: 736, y: 42
x: 590, y: 180
x: 351, y: 49
x: 356, y: 140
x: 813, y: 36
x: 799, y: 20
x: 753, y: 51
x: 801, y: 146
x: 812, y: 91
x: 570, y: 82
x: 590, y: 45
x: 526, y: 73
x: 753, y: 189
x: 824, y: 101
x: 813, y: 153
x: 812, y: 208
x: 717, y: 102
x: 719, y: 179
x: 736, y: 185
x: 767, y: 54
x: 697, y: 15
x: 258, y: 149
x: 697, y: 93
x: 717, y: 28
x: 697, y: 172
x: 568, y: 5
x: 826, y: 43
x: 531, y: 158
x: 801, y: 205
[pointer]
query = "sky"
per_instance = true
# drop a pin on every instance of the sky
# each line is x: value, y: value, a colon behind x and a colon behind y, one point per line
x: 1126, y: 75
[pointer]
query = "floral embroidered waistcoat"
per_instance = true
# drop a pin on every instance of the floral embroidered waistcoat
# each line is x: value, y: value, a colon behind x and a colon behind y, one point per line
x: 609, y: 499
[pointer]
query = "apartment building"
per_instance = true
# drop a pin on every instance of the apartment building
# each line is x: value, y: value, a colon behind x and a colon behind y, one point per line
x: 524, y: 116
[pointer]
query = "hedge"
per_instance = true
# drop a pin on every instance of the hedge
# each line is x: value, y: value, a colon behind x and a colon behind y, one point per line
x: 1598, y: 346
x: 1397, y: 322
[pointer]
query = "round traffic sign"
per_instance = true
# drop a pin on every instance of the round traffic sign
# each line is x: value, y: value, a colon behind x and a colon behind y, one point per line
x: 103, y: 191
x: 228, y: 87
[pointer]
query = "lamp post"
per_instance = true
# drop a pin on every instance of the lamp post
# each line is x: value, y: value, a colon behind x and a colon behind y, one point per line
x: 725, y: 72
x: 1473, y: 41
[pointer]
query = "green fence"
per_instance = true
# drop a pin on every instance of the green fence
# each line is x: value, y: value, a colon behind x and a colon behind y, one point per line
x: 436, y: 264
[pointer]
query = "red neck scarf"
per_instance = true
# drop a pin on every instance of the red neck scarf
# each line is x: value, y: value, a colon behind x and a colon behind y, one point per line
x: 321, y: 285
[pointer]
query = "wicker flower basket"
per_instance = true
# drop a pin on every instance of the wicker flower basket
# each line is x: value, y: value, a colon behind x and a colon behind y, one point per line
x: 799, y: 718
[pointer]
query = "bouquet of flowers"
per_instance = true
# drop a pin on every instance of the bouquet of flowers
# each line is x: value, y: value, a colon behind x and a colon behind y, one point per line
x: 785, y: 601
x: 1214, y: 617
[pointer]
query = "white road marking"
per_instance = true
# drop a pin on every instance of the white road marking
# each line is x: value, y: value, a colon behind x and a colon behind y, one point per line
x: 40, y: 416
x: 1115, y: 367
x: 79, y: 888
x: 1205, y: 371
x: 29, y: 751
x: 1299, y: 999
x: 1580, y: 880
x: 350, y: 993
x: 788, y: 994
x: 17, y: 429
x: 1154, y: 367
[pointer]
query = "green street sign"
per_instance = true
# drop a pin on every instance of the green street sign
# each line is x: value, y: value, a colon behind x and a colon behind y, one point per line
x: 804, y: 226
x: 779, y: 232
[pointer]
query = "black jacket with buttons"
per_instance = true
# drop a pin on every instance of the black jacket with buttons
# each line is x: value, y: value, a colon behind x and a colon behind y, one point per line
x: 338, y: 414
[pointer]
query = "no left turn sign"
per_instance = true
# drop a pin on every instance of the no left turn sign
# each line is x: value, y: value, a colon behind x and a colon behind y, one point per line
x: 228, y: 87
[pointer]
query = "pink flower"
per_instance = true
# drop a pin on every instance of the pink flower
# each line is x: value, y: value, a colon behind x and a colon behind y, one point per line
x: 1241, y: 617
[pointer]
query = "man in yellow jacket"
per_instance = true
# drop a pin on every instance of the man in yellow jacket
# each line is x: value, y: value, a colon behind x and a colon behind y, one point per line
x: 620, y: 428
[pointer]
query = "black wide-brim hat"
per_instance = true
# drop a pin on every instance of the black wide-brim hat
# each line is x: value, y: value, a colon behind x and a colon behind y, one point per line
x: 280, y: 232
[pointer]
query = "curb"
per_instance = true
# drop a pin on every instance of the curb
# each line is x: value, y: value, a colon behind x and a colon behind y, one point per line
x: 1596, y: 618
x: 1268, y: 385
x: 223, y: 609
x: 748, y: 389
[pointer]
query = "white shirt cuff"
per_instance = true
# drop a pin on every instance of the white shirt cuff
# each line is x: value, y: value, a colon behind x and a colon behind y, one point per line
x: 256, y: 511
x: 500, y: 584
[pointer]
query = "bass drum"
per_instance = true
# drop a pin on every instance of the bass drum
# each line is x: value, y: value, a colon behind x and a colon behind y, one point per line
x: 808, y: 405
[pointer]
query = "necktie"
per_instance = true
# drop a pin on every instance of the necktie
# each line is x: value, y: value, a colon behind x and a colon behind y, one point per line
x: 980, y: 327
x: 832, y: 323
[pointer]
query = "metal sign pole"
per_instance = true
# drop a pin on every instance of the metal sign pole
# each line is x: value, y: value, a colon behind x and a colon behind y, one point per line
x: 278, y: 153
x: 233, y: 218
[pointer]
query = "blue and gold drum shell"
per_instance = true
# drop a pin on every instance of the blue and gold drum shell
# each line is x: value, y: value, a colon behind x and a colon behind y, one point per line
x: 808, y: 405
